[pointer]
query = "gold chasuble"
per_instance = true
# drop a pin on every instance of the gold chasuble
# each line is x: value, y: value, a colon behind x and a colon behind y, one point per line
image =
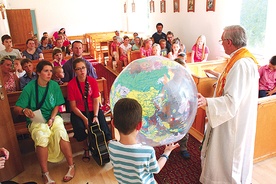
x: 242, y: 53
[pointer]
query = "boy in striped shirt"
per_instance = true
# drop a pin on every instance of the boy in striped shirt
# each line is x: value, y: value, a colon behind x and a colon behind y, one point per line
x: 132, y: 161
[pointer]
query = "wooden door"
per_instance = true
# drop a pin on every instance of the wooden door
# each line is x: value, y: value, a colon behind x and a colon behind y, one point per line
x: 8, y: 139
x: 20, y: 24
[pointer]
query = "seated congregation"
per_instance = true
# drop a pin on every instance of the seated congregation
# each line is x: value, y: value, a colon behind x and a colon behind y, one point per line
x: 31, y: 72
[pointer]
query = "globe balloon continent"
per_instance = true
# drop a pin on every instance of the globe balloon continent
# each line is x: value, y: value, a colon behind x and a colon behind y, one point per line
x: 167, y: 94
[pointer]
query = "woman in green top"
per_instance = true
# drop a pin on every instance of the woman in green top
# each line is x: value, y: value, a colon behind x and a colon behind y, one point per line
x: 48, y: 132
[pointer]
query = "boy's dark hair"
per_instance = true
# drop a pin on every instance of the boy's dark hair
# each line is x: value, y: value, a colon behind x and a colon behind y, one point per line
x: 41, y: 65
x: 24, y: 61
x: 45, y: 33
x: 273, y: 60
x: 127, y: 115
x: 76, y: 61
x: 159, y: 24
x: 5, y: 37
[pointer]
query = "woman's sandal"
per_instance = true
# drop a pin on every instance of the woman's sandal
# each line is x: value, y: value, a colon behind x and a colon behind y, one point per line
x: 47, y: 178
x: 86, y: 156
x: 69, y: 176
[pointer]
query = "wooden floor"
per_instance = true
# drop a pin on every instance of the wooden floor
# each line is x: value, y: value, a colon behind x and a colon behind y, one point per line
x: 90, y: 173
x: 86, y: 173
x: 265, y: 172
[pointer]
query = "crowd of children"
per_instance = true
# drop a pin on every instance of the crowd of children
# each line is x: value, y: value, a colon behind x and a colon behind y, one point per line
x: 18, y: 71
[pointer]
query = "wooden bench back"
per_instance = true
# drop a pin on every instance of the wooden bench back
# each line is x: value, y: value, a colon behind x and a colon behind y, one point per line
x: 20, y: 127
x: 48, y: 54
x: 102, y: 84
x: 20, y: 46
x: 133, y: 55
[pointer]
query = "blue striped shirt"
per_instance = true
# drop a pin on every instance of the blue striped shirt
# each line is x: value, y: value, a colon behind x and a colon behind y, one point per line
x: 133, y: 163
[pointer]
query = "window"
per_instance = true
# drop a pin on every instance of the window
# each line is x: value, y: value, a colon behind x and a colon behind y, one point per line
x: 254, y: 18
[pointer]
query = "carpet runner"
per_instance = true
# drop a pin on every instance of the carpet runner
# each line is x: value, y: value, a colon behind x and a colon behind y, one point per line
x: 180, y: 171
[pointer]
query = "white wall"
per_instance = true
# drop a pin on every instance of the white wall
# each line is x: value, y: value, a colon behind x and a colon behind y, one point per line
x: 82, y: 16
x: 78, y: 17
x: 189, y: 25
x: 4, y: 27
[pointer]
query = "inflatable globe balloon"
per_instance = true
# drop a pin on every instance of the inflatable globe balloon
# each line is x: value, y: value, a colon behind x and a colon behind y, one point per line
x: 167, y: 94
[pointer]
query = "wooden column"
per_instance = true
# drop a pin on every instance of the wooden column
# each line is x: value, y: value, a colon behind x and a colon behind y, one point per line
x: 8, y: 139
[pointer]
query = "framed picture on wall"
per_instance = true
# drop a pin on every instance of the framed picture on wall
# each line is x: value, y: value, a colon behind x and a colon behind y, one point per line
x: 152, y: 6
x: 133, y: 6
x: 125, y: 8
x: 191, y: 6
x: 163, y: 6
x: 210, y: 5
x: 176, y: 6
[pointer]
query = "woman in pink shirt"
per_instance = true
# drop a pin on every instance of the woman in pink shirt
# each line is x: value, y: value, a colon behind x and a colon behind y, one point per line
x: 267, y: 81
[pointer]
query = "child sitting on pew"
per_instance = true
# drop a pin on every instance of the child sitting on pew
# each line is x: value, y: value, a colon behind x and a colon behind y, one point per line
x: 58, y: 57
x: 18, y: 68
x: 137, y: 44
x: 267, y: 81
x: 58, y: 75
x: 155, y: 49
x: 114, y: 51
x: 163, y: 45
x: 132, y: 161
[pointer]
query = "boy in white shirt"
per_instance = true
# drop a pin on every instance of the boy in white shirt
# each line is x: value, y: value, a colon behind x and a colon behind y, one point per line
x: 9, y: 51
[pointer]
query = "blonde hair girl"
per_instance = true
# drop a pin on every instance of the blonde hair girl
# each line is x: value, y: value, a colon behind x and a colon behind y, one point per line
x: 200, y: 51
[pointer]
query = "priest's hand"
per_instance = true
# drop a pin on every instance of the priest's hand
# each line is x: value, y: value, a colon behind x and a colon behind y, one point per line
x: 201, y: 101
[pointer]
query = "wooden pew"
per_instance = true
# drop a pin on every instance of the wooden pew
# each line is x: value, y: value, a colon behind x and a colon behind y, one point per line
x: 265, y: 144
x: 133, y: 55
x: 20, y: 127
x: 35, y: 62
x: 84, y: 41
x: 188, y: 57
x: 48, y: 54
x: 94, y: 41
x: 205, y: 84
x: 109, y: 64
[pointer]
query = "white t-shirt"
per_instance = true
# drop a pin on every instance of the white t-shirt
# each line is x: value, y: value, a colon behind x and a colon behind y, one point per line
x: 14, y: 52
x: 125, y: 48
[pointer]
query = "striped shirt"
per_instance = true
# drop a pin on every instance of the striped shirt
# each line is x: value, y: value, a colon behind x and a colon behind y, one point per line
x: 133, y: 163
